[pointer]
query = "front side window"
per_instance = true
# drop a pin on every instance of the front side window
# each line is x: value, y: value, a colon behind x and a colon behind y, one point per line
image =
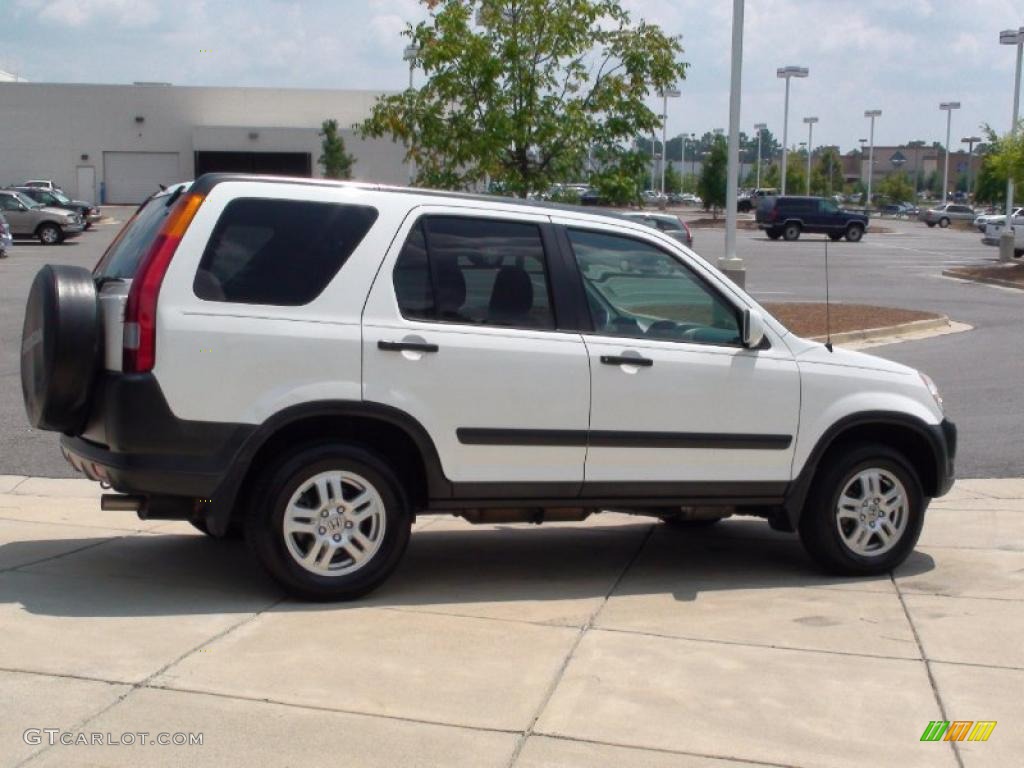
x: 637, y: 290
x: 827, y: 206
x: 474, y: 271
x: 280, y: 252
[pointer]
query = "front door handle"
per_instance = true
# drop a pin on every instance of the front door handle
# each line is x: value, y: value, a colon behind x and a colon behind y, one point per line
x: 406, y: 346
x: 643, y: 362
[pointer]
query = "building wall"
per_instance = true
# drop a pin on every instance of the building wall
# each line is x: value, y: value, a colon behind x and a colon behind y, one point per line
x: 50, y: 129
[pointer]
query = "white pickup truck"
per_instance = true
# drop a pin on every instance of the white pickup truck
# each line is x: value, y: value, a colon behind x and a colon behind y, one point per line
x: 994, y: 231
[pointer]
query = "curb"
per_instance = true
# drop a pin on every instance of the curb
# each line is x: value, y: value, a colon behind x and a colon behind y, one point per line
x: 983, y: 280
x: 900, y: 329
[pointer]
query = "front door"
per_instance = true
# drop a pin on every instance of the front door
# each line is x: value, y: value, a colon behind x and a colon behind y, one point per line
x: 21, y: 221
x: 460, y: 332
x: 677, y: 401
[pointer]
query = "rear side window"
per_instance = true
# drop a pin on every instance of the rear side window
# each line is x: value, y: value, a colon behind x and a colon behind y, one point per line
x: 474, y: 271
x: 123, y: 256
x: 281, y: 252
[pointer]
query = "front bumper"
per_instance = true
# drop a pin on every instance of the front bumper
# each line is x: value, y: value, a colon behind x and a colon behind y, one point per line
x: 944, y: 437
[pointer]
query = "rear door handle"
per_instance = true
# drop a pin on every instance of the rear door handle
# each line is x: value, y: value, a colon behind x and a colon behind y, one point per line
x: 643, y: 362
x: 406, y: 346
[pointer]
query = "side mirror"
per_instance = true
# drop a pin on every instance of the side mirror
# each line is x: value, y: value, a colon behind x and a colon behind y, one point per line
x: 753, y: 329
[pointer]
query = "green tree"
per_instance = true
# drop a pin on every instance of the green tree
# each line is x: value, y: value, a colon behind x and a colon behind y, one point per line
x: 521, y: 95
x: 711, y: 186
x: 897, y: 187
x: 827, y: 172
x: 770, y: 176
x: 620, y: 174
x: 796, y: 174
x: 336, y: 161
x: 673, y: 179
x: 990, y: 186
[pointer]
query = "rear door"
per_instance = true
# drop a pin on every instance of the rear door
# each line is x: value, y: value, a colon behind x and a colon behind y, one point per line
x: 460, y: 332
x: 20, y: 219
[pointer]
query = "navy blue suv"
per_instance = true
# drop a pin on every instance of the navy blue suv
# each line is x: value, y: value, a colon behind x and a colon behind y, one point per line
x: 789, y: 216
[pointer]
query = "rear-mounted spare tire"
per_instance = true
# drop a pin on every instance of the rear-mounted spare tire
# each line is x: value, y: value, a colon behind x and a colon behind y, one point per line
x: 60, y: 348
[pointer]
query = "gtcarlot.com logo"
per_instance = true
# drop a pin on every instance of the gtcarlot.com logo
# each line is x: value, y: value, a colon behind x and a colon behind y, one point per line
x: 54, y: 736
x: 958, y: 730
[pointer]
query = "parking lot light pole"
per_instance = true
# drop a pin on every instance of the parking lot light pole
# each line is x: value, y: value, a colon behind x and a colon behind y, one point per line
x: 872, y: 114
x: 668, y: 93
x: 731, y: 264
x: 810, y: 133
x: 970, y: 141
x: 947, y: 107
x: 788, y: 73
x: 759, y: 127
x: 409, y: 54
x: 1006, y: 239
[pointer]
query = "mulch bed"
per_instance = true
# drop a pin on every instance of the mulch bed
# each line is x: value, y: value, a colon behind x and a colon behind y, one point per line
x: 807, y: 319
x: 1011, y: 273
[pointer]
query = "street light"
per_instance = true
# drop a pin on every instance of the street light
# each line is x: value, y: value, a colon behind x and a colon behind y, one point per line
x: 810, y: 133
x: 668, y: 93
x: 410, y: 54
x: 947, y: 107
x: 970, y: 141
x: 730, y: 264
x: 788, y: 73
x: 1006, y: 239
x: 759, y: 127
x: 871, y: 113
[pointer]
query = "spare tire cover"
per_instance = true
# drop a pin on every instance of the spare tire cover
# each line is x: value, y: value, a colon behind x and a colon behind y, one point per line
x: 60, y: 348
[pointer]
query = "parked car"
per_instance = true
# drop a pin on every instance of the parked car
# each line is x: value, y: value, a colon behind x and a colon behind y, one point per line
x: 56, y: 199
x: 944, y: 214
x: 790, y: 216
x: 982, y: 221
x: 994, y: 231
x: 28, y: 218
x: 6, y: 241
x: 591, y: 197
x: 653, y: 197
x: 898, y: 209
x: 671, y: 225
x: 390, y: 376
x: 747, y: 203
x: 41, y: 184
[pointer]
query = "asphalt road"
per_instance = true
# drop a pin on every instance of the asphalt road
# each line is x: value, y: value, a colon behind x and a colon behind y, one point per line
x: 979, y: 372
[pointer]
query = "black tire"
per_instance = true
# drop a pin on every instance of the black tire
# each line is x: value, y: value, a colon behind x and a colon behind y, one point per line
x: 819, y: 526
x: 60, y: 348
x: 835, y: 236
x: 791, y: 231
x: 773, y: 234
x: 265, y: 536
x: 930, y: 224
x: 50, y: 234
x: 234, y: 532
x: 854, y: 233
x: 943, y: 222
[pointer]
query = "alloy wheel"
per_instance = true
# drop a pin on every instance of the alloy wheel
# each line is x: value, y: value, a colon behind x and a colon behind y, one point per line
x: 872, y: 512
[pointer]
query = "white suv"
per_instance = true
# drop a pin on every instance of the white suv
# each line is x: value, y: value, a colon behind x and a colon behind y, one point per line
x: 313, y: 364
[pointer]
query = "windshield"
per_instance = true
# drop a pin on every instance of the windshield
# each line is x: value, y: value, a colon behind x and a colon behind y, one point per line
x: 122, y: 258
x: 60, y: 198
x: 27, y: 201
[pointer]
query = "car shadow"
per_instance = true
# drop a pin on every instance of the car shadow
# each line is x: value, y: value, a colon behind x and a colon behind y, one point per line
x: 175, y: 574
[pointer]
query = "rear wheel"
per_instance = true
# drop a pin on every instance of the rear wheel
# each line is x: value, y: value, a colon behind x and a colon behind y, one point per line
x: 854, y: 233
x: 930, y: 224
x: 49, y: 234
x: 835, y: 236
x: 791, y: 231
x: 773, y: 234
x: 943, y: 222
x: 333, y: 522
x: 864, y: 512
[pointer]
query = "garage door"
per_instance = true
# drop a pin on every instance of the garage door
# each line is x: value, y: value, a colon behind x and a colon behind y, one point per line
x: 131, y: 177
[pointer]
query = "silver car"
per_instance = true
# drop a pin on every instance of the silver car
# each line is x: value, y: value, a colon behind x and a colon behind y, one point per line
x: 6, y: 241
x: 944, y: 214
x: 27, y: 218
x: 671, y: 225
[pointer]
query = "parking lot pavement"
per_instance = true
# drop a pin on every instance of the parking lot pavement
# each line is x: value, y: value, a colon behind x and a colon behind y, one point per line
x: 612, y: 642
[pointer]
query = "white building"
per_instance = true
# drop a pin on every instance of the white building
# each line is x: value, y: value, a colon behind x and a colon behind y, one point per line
x: 117, y: 143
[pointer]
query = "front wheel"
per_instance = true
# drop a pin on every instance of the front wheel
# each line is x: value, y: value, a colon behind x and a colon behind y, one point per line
x: 333, y: 522
x: 864, y: 512
x: 49, y: 234
x: 854, y: 233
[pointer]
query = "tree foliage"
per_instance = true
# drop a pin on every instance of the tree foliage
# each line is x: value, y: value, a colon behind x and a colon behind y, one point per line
x: 896, y: 187
x: 520, y: 89
x: 827, y: 172
x: 711, y: 186
x: 336, y: 161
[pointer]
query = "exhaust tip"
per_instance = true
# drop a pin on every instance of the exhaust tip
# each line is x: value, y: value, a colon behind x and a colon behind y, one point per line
x: 119, y: 502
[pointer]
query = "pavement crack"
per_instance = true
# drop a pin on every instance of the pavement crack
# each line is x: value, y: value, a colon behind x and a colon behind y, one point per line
x: 927, y: 666
x: 587, y: 625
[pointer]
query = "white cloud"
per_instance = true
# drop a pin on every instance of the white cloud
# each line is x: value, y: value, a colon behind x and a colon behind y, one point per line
x: 76, y: 13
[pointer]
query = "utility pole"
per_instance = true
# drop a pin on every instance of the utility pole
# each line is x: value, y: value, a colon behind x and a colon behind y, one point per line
x: 759, y: 127
x: 1006, y: 239
x: 947, y: 107
x: 731, y: 264
x: 871, y: 113
x: 970, y: 141
x: 668, y: 93
x: 788, y: 73
x: 810, y: 133
x: 409, y: 54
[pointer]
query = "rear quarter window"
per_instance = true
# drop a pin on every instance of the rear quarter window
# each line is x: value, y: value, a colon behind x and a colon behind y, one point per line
x: 280, y: 252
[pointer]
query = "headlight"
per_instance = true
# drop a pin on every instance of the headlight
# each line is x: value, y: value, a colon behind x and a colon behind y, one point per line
x: 932, y: 389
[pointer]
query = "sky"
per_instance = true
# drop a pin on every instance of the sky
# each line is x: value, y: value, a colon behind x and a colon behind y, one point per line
x: 901, y: 56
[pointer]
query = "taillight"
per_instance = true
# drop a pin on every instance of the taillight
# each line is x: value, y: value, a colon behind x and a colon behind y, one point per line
x: 139, y: 350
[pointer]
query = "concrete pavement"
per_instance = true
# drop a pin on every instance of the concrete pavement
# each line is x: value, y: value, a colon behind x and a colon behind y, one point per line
x: 613, y: 642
